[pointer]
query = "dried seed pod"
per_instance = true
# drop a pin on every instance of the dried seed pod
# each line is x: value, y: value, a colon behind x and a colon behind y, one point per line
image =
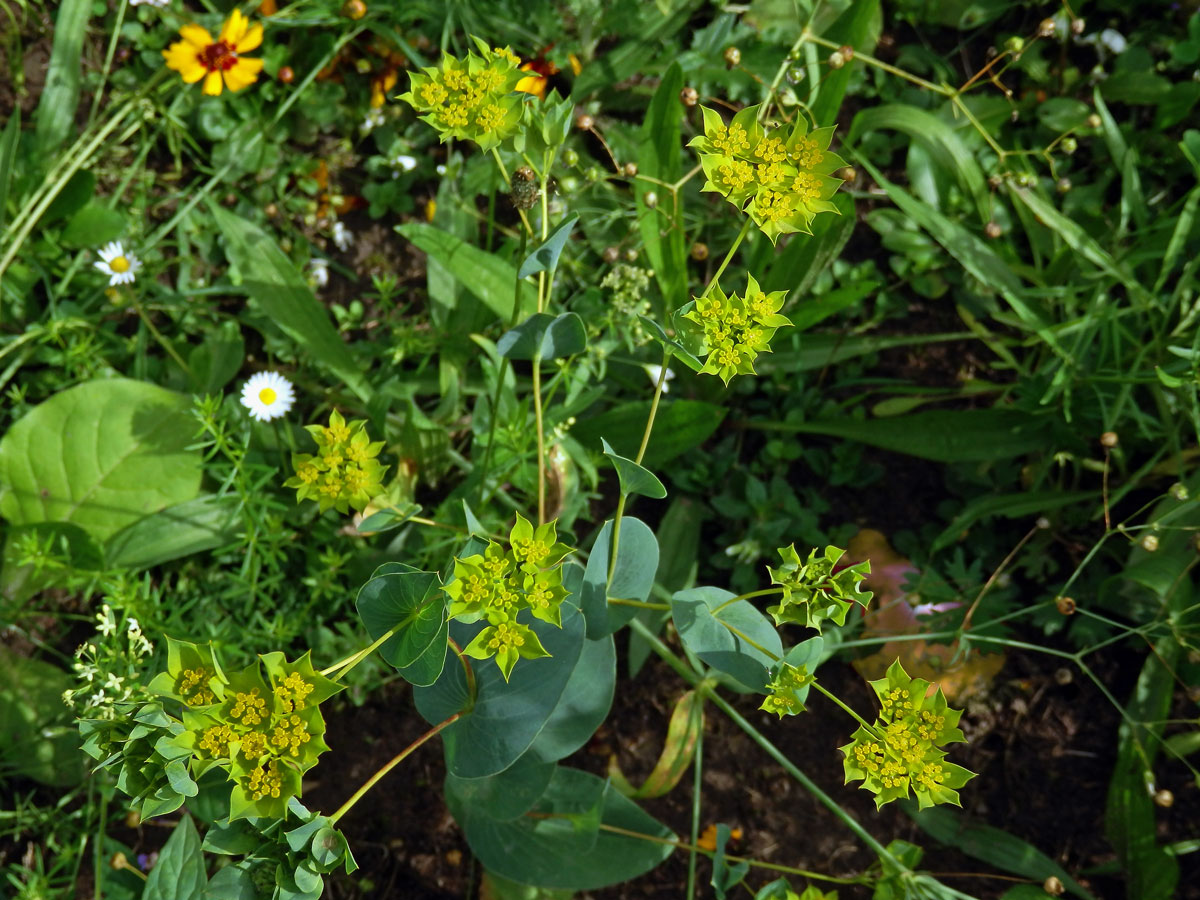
x: 699, y: 252
x: 847, y: 52
x: 1064, y: 675
x: 1063, y: 185
x: 1094, y: 121
x: 631, y: 169
x: 525, y: 192
x: 354, y: 9
x: 631, y: 255
x: 733, y: 56
x: 650, y: 199
x: 1109, y: 439
x: 993, y: 230
x: 1047, y: 28
x: 848, y: 174
x: 584, y: 122
x: 1043, y: 523
x: 836, y: 60
x: 286, y: 75
x: 611, y: 254
x: 689, y: 97
x: 1164, y: 798
x: 1065, y: 605
x: 1077, y: 26
x: 1053, y: 886
x: 1150, y: 543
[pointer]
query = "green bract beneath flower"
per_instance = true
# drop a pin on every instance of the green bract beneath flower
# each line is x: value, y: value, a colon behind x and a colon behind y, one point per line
x: 344, y: 473
x: 818, y: 589
x: 902, y: 750
x: 736, y: 329
x: 788, y: 688
x: 781, y: 179
x: 471, y: 98
x: 499, y: 584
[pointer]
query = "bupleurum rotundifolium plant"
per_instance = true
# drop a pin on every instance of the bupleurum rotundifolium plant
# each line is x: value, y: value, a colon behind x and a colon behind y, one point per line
x: 499, y: 584
x: 344, y: 472
x: 782, y: 180
x: 819, y: 589
x: 735, y: 329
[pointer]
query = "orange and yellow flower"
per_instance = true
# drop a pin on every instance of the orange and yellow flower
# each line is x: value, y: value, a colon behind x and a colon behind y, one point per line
x: 198, y: 56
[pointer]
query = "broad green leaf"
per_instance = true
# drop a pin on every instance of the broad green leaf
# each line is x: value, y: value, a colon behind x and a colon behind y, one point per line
x: 939, y: 139
x: 683, y: 731
x: 232, y: 883
x: 179, y: 873
x: 633, y: 575
x: 658, y: 157
x: 40, y: 740
x: 820, y: 350
x: 506, y: 795
x: 507, y: 716
x: 485, y: 275
x: 734, y: 638
x: 1010, y: 506
x: 56, y: 108
x: 545, y: 257
x: 634, y: 479
x: 971, y: 252
x: 992, y: 845
x: 410, y: 604
x: 282, y: 294
x: 8, y: 153
x: 678, y: 351
x: 859, y: 27
x: 584, y: 704
x: 93, y: 226
x: 680, y: 426
x: 970, y: 435
x: 178, y: 531
x: 73, y: 196
x: 102, y: 455
x: 560, y: 844
x: 544, y: 336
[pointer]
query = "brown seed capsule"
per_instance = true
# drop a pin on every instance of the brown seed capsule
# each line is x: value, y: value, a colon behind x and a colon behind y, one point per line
x: 584, y: 122
x: 1077, y: 26
x: 848, y: 174
x: 1109, y: 439
x: 286, y: 75
x: 1043, y: 523
x: 119, y: 861
x: 524, y: 193
x: 993, y: 230
x: 123, y: 53
x: 1047, y: 28
x: 847, y: 52
x: 611, y: 254
x: 1164, y: 798
x: 1063, y: 185
x: 1064, y: 675
x: 354, y: 9
x: 1053, y: 887
x: 271, y: 210
x: 1065, y: 605
x: 631, y: 255
x: 689, y: 97
x: 699, y: 252
x: 733, y: 56
x: 631, y: 169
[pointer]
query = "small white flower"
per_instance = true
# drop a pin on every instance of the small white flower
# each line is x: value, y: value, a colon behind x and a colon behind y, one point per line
x: 118, y: 265
x: 268, y: 395
x: 159, y: 3
x: 319, y: 271
x: 342, y: 236
x: 373, y: 120
x: 655, y: 371
x: 403, y: 162
x: 108, y: 622
x: 132, y: 627
x: 441, y: 169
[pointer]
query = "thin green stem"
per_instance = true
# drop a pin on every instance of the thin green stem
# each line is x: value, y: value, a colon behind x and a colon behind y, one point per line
x: 880, y: 64
x: 469, y: 674
x: 640, y: 604
x: 697, y: 793
x: 163, y: 342
x: 339, y: 669
x: 828, y: 802
x: 541, y: 437
x: 857, y: 718
x: 391, y: 764
x: 715, y: 280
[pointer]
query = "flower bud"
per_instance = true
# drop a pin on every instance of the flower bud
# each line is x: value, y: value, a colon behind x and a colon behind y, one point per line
x: 611, y: 254
x: 631, y: 255
x: 1046, y: 28
x: 650, y: 199
x: 1063, y: 675
x: 1043, y: 523
x: 993, y: 230
x: 119, y: 861
x: 1109, y: 439
x: 1069, y: 145
x: 796, y: 74
x: 286, y: 75
x: 699, y: 252
x: 1053, y: 886
x: 1065, y: 605
x: 689, y: 97
x: 1015, y: 45
x: 1077, y: 26
x: 1025, y: 180
x: 584, y: 122
x: 1179, y: 491
x: 525, y: 192
x: 354, y: 9
x: 848, y: 174
x: 1150, y: 543
x: 733, y: 56
x: 570, y: 158
x: 836, y: 60
x: 1063, y: 185
x: 631, y: 169
x: 1164, y: 798
x: 1093, y: 121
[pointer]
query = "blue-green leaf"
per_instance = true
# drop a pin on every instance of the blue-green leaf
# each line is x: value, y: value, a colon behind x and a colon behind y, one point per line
x: 545, y: 257
x: 412, y: 605
x: 179, y: 873
x: 543, y: 336
x: 635, y: 479
x: 734, y: 638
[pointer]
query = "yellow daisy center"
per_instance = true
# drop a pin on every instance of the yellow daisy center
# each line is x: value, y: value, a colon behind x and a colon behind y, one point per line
x: 267, y: 396
x: 119, y: 264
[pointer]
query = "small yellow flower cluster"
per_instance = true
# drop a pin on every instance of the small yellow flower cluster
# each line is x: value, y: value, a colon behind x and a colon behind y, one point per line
x: 192, y: 686
x: 737, y: 329
x: 265, y: 781
x: 344, y: 473
x: 498, y: 584
x: 902, y: 750
x: 472, y: 98
x: 787, y: 690
x: 781, y: 181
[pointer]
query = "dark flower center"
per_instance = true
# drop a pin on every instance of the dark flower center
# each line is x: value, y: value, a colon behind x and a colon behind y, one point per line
x: 218, y: 57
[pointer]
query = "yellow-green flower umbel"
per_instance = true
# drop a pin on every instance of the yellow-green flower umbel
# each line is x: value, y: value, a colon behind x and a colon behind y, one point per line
x: 782, y: 179
x: 471, y: 98
x: 736, y: 329
x: 344, y: 472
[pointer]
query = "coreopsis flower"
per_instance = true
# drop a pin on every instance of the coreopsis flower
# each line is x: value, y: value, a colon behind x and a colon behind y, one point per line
x: 218, y: 62
x: 268, y: 395
x: 117, y: 264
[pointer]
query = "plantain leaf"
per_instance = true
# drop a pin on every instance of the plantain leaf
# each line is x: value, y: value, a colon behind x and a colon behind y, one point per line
x: 489, y: 278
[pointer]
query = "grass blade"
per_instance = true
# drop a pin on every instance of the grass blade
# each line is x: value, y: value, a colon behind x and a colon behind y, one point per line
x: 56, y: 109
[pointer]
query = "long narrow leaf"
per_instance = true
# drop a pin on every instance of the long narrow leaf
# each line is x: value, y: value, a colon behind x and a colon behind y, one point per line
x: 56, y: 109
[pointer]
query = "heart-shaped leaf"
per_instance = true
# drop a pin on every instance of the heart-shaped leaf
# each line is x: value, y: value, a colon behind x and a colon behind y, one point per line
x: 635, y: 479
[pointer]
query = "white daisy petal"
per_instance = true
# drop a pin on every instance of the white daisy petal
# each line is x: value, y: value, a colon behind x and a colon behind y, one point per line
x: 268, y: 395
x: 119, y: 265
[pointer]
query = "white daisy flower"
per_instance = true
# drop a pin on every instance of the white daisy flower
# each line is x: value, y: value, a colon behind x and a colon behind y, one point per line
x: 118, y: 265
x: 268, y: 395
x: 342, y: 236
x: 319, y: 270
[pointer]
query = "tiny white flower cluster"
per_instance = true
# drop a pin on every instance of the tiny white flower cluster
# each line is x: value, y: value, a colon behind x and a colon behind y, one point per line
x: 109, y: 669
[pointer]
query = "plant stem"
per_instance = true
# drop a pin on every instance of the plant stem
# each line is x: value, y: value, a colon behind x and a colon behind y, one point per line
x: 341, y: 668
x: 640, y: 604
x: 469, y: 674
x: 697, y: 682
x: 728, y: 256
x: 733, y: 600
x: 391, y: 764
x: 859, y: 719
x: 658, y: 392
x: 697, y: 781
x: 163, y: 342
x: 541, y: 437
